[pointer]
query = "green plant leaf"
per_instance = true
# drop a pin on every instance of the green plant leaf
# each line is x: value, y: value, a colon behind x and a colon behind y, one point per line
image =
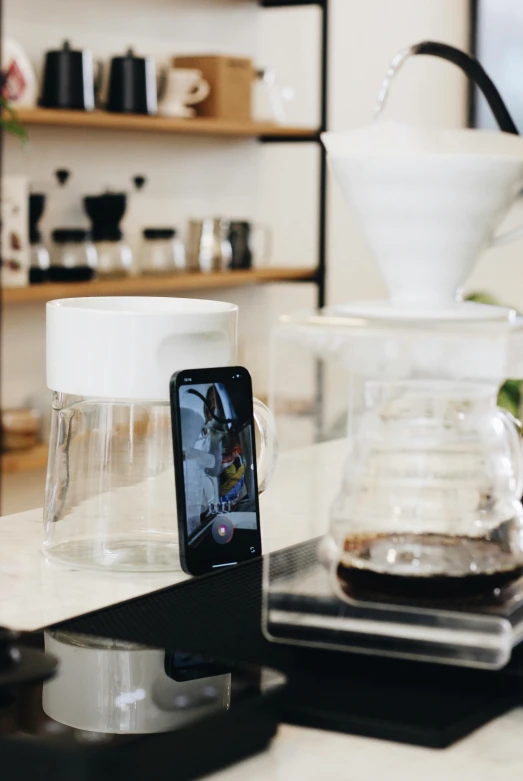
x: 482, y: 298
x: 10, y: 122
x: 506, y: 401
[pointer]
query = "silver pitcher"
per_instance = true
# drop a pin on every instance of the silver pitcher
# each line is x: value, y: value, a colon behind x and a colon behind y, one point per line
x: 208, y: 245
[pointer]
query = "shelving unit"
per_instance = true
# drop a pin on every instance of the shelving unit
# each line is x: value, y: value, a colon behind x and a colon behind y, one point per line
x: 36, y: 458
x: 323, y: 5
x: 198, y: 126
x: 171, y: 284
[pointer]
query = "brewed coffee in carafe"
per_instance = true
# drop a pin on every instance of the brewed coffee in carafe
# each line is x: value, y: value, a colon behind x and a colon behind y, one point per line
x: 435, y: 472
x: 431, y: 490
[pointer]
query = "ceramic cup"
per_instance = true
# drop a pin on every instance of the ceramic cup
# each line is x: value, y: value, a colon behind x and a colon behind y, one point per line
x: 183, y: 87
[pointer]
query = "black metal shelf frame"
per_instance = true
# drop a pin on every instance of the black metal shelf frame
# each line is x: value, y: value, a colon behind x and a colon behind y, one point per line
x: 289, y: 3
x: 320, y: 277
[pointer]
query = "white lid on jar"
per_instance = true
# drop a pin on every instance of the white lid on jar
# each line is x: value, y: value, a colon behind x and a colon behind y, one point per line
x: 127, y: 347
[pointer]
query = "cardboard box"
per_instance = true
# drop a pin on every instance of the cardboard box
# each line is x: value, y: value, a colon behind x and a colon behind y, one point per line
x: 230, y: 79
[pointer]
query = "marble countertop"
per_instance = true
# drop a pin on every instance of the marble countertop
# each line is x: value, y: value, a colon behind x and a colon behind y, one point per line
x: 35, y: 592
x: 492, y: 752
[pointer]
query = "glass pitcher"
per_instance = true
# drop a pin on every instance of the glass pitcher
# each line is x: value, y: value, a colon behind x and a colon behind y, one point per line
x: 432, y: 485
x: 110, y: 491
x: 431, y: 482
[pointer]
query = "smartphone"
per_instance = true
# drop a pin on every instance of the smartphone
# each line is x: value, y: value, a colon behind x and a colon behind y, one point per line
x: 182, y: 667
x: 215, y: 468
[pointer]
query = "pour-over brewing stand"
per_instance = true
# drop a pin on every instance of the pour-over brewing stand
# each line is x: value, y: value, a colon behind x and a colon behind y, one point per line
x: 417, y: 469
x: 303, y: 603
x: 403, y: 642
x: 301, y: 606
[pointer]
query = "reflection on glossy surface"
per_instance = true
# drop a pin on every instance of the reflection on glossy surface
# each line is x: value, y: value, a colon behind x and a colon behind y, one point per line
x: 108, y: 686
x: 109, y: 692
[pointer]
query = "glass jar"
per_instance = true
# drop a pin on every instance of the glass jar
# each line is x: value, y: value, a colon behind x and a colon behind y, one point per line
x: 39, y: 259
x: 115, y: 258
x: 432, y: 485
x: 74, y: 257
x: 39, y: 262
x: 110, y: 492
x: 106, y: 211
x: 162, y: 251
x: 430, y: 494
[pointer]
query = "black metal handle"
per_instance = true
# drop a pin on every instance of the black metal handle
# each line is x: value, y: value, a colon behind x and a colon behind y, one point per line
x: 475, y: 71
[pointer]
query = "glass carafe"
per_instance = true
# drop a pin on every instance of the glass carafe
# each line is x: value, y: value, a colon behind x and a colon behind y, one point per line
x: 432, y: 485
x: 110, y: 491
x: 162, y: 251
x: 430, y: 475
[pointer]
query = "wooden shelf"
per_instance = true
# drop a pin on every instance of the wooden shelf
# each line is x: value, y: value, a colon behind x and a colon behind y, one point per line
x: 24, y: 460
x: 171, y: 284
x: 199, y: 126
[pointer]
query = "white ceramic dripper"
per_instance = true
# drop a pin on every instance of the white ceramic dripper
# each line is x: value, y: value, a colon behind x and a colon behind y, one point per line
x: 428, y: 201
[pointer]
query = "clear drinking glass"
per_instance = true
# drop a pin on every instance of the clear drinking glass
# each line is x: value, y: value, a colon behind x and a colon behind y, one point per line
x: 432, y: 484
x: 110, y: 494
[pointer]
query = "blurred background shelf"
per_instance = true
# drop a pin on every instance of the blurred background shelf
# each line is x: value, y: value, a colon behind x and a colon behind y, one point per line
x: 17, y: 461
x: 199, y: 126
x: 160, y: 285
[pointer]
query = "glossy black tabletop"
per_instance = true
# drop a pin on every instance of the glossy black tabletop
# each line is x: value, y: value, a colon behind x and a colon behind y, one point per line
x: 181, y: 682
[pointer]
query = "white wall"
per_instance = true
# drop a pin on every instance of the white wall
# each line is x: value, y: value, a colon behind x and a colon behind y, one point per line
x: 364, y: 37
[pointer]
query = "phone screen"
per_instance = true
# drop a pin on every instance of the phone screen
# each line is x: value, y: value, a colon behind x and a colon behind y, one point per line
x: 215, y: 461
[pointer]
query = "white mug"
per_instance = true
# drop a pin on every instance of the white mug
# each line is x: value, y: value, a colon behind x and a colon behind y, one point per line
x: 183, y: 87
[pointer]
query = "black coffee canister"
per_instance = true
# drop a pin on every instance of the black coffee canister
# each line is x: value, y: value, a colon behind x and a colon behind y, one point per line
x: 239, y: 236
x: 106, y: 211
x: 36, y: 209
x: 68, y: 79
x: 132, y: 85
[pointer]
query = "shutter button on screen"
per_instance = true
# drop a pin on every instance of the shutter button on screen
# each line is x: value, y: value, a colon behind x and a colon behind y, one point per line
x: 222, y: 530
